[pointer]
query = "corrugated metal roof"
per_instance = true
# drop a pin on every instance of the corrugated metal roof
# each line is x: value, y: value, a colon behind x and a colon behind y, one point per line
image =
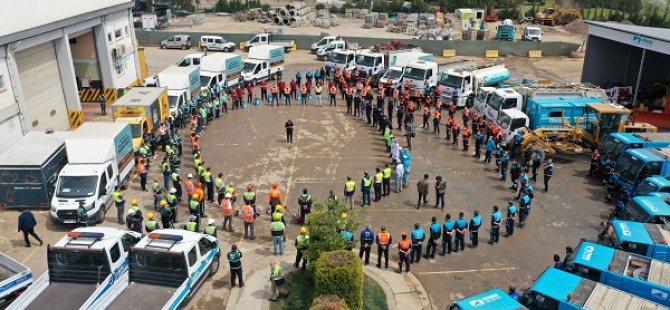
x: 29, y: 14
x: 662, y: 34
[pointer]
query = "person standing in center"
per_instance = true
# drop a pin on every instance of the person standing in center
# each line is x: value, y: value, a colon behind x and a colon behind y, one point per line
x: 399, y: 172
x: 274, y: 197
x: 367, y: 239
x: 447, y: 234
x: 249, y: 217
x: 289, y: 131
x: 383, y: 241
x: 422, y: 188
x: 440, y: 189
x: 235, y: 261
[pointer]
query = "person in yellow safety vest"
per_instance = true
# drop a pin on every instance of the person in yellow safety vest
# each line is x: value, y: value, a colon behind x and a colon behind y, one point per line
x: 166, y: 168
x: 192, y: 224
x: 220, y: 186
x: 134, y: 205
x: 119, y: 203
x: 173, y: 200
x: 166, y: 214
x: 279, y: 211
x: 200, y: 170
x: 277, y: 281
x: 305, y: 203
x: 249, y: 217
x: 349, y: 190
x: 379, y: 178
x: 301, y: 242
x: 227, y: 209
x: 250, y: 198
x: 151, y: 224
x: 209, y: 183
x: 230, y: 189
x: 332, y: 201
x: 386, y: 181
x: 210, y: 229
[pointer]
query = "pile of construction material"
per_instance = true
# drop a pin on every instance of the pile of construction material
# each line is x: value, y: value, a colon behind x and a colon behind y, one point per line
x: 424, y: 26
x: 356, y: 13
x: 297, y: 14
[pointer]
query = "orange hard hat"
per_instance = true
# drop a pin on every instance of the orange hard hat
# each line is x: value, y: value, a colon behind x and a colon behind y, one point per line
x: 275, y: 185
x: 250, y: 187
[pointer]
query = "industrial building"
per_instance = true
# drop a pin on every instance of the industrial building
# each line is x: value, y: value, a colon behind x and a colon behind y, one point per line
x: 53, y: 54
x: 636, y: 58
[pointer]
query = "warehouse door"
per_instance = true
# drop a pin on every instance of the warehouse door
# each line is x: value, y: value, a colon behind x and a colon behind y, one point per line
x: 42, y: 88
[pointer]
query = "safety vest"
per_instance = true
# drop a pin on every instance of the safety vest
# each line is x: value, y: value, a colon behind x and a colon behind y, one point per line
x: 210, y: 230
x: 404, y: 245
x: 287, y: 90
x: 305, y: 198
x: 249, y: 196
x: 156, y: 187
x: 248, y: 214
x: 303, y: 90
x: 332, y: 200
x: 350, y: 186
x: 333, y: 90
x: 227, y: 207
x: 384, y: 238
x: 367, y: 182
x: 436, y: 115
x: 378, y: 177
x: 171, y: 198
x: 318, y: 90
x: 166, y: 167
x: 275, y: 89
x: 190, y: 226
x: 194, y: 204
x: 218, y: 182
x: 276, y: 272
x: 301, y: 241
x: 150, y: 226
x: 117, y: 196
x: 189, y: 186
x: 387, y: 173
x: 175, y: 177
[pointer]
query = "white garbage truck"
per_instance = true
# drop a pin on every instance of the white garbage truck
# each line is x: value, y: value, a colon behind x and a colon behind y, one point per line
x: 462, y: 85
x: 84, y: 267
x: 396, y: 67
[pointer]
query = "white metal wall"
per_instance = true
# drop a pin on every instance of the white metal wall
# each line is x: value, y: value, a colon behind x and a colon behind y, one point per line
x: 42, y: 88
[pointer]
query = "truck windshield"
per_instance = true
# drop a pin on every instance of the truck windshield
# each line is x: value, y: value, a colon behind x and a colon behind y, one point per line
x: 339, y: 58
x: 495, y: 102
x: 393, y: 74
x: 482, y: 97
x: 136, y: 130
x: 249, y: 67
x: 628, y: 166
x: 365, y: 60
x: 72, y: 265
x: 160, y: 268
x: 634, y: 213
x: 451, y: 81
x: 504, y: 120
x: 77, y: 186
x: 612, y: 147
x: 173, y: 101
x: 415, y: 73
x: 534, y: 31
x: 205, y: 80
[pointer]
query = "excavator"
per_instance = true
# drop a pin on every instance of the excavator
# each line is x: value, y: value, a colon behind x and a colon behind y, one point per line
x: 559, y: 16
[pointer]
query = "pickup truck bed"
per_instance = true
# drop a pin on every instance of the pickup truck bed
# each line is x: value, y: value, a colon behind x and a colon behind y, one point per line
x: 143, y: 296
x: 5, y: 273
x: 63, y: 295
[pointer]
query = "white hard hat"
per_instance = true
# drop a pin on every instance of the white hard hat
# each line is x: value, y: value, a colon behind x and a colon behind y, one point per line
x: 131, y: 211
x: 190, y: 175
x: 227, y: 195
x: 210, y: 221
x: 173, y: 190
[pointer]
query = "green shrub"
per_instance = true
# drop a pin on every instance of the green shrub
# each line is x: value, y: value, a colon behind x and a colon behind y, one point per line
x: 329, y: 302
x: 320, y: 6
x: 340, y: 273
x: 324, y: 231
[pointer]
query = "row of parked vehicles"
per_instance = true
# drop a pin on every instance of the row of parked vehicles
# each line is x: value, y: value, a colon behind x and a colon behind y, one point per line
x: 108, y: 268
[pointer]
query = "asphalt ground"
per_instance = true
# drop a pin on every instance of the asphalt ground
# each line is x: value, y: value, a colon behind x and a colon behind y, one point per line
x: 248, y: 146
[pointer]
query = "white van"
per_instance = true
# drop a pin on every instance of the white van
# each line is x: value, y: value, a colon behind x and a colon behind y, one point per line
x: 217, y: 43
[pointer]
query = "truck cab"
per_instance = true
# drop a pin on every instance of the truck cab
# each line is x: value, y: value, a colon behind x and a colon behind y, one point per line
x: 556, y: 289
x: 648, y: 209
x: 617, y: 143
x: 502, y: 98
x: 511, y: 122
x: 532, y: 34
x: 169, y: 266
x: 83, y: 267
x: 505, y: 32
x: 635, y: 165
x: 631, y: 273
x: 491, y: 299
x: 371, y: 63
x: 138, y: 127
x: 644, y: 239
x: 323, y: 53
x: 325, y: 41
x: 343, y: 58
x: 654, y: 185
x: 482, y: 98
x: 420, y: 73
x: 190, y: 60
x: 267, y: 39
x: 461, y: 83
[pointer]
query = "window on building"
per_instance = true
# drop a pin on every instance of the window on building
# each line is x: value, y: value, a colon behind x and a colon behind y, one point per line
x: 126, y: 30
x: 109, y: 37
x: 118, y: 34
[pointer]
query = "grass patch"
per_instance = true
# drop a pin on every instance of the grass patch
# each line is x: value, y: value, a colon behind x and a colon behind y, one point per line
x: 300, y: 285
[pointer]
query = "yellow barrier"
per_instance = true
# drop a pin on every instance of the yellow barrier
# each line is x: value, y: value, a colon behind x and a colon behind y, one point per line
x: 243, y: 45
x: 92, y: 94
x: 535, y: 54
x: 293, y: 47
x: 76, y: 118
x: 491, y: 53
x: 449, y: 53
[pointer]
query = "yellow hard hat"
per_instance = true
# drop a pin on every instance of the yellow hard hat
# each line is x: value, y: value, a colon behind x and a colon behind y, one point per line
x: 150, y: 215
x: 343, y: 216
x: 196, y: 196
x: 278, y: 208
x: 163, y: 202
x: 134, y: 201
x: 303, y: 230
x: 277, y: 217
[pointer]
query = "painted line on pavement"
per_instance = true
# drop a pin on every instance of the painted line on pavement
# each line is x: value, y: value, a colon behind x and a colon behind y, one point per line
x: 466, y: 271
x: 29, y: 255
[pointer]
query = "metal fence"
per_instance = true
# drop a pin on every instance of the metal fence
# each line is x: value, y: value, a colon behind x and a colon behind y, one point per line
x: 462, y: 47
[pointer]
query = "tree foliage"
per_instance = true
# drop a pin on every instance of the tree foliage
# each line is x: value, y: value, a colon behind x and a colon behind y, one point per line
x: 324, y: 230
x: 340, y: 273
x: 233, y: 6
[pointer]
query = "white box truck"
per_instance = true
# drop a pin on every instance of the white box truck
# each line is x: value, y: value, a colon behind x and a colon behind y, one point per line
x: 264, y: 62
x: 222, y: 69
x: 100, y: 156
x: 396, y: 67
x: 182, y: 83
x: 167, y: 267
x: 84, y: 266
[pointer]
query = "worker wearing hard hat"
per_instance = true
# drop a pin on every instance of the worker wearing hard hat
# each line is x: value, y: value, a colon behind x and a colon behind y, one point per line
x: 166, y: 214
x: 301, y: 242
x: 172, y: 200
x: 279, y: 210
x: 194, y: 207
x: 227, y: 208
x: 200, y: 191
x: 277, y: 229
x: 151, y: 224
x: 192, y: 224
x: 210, y: 229
x: 274, y: 197
x: 249, y: 217
x: 250, y: 198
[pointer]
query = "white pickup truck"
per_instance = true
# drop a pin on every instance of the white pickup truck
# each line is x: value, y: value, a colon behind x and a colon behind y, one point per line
x: 167, y: 267
x: 84, y: 266
x: 14, y: 279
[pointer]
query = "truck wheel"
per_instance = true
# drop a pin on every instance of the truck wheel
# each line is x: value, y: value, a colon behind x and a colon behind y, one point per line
x: 101, y: 215
x: 214, y: 267
x: 183, y: 47
x: 163, y: 46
